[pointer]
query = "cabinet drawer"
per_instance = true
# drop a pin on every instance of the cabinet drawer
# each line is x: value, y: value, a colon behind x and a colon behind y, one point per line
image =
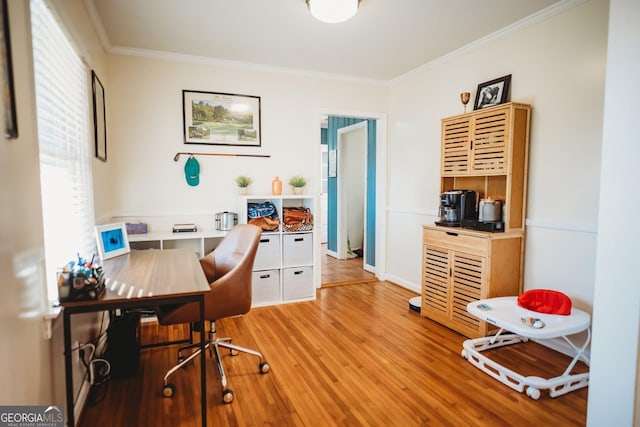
x: 456, y: 241
x: 297, y: 283
x: 297, y: 249
x: 265, y: 286
x: 268, y: 255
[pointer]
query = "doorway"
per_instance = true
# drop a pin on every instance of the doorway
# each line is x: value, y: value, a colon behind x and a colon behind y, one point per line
x: 372, y: 191
x: 352, y: 192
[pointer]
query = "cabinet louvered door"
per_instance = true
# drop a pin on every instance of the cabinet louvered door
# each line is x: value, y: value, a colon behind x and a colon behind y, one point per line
x: 456, y: 146
x: 467, y: 280
x: 436, y: 299
x: 490, y: 142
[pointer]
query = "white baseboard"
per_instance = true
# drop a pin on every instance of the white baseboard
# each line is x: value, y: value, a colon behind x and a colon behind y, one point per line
x: 405, y: 284
x: 81, y: 401
x: 85, y: 387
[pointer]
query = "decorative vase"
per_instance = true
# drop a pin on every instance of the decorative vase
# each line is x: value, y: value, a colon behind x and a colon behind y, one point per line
x: 298, y: 190
x: 243, y: 190
x: 276, y: 186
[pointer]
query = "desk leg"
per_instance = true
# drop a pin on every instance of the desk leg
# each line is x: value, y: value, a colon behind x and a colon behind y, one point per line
x: 203, y: 367
x: 68, y: 369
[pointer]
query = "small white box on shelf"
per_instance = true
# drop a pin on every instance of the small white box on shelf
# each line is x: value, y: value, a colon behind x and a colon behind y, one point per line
x: 265, y: 286
x: 297, y: 283
x: 297, y: 249
x: 268, y: 255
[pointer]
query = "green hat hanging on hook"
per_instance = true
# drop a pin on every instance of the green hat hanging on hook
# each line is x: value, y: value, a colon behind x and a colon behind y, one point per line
x: 192, y: 171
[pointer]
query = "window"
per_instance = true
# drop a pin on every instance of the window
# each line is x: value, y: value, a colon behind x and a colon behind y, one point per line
x: 62, y: 110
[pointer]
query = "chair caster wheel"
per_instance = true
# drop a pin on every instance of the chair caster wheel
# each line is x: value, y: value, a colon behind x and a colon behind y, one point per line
x: 533, y: 393
x: 264, y: 367
x: 168, y: 390
x: 227, y: 396
x: 233, y: 352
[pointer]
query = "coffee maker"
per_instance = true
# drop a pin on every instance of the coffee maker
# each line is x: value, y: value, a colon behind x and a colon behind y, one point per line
x: 455, y: 206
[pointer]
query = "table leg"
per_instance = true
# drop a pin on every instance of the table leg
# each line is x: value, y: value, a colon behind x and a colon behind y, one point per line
x: 203, y: 370
x: 68, y: 369
x: 579, y: 352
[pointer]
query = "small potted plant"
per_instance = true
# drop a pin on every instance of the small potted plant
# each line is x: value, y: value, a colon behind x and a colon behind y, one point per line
x: 298, y: 182
x: 243, y: 182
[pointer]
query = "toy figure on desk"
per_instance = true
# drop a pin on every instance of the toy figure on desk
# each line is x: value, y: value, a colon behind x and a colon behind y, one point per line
x: 80, y: 281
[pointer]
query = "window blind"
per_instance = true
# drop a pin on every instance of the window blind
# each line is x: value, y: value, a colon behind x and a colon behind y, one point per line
x: 62, y: 110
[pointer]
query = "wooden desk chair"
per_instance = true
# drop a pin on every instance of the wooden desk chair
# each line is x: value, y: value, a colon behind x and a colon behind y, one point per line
x: 228, y: 269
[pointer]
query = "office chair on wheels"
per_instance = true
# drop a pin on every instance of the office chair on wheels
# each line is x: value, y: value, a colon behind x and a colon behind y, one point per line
x: 228, y: 269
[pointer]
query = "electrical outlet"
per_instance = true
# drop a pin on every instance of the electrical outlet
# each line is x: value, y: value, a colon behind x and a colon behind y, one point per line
x: 76, y: 353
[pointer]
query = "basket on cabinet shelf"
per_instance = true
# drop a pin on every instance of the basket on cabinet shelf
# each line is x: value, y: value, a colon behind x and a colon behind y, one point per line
x: 297, y: 219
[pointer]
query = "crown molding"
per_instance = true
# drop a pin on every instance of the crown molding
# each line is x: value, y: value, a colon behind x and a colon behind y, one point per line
x: 205, y: 60
x: 517, y: 26
x: 96, y: 22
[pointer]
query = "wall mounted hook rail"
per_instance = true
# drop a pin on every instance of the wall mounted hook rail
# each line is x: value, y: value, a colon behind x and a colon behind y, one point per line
x: 177, y: 156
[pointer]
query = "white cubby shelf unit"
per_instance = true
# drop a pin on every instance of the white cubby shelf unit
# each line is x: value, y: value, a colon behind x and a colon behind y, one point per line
x: 202, y: 242
x: 286, y: 265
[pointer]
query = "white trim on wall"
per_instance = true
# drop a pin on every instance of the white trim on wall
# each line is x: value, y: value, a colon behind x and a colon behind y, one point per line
x: 563, y: 226
x: 531, y: 223
x: 204, y: 60
x: 549, y: 12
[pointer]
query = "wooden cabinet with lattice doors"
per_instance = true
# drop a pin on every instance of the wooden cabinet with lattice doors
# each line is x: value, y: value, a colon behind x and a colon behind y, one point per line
x: 486, y: 151
x: 460, y: 266
x: 476, y: 143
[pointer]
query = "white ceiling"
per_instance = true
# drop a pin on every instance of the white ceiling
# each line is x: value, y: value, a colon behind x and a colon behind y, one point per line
x: 386, y: 39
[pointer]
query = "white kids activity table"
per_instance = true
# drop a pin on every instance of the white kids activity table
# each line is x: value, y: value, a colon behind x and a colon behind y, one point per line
x: 505, y: 313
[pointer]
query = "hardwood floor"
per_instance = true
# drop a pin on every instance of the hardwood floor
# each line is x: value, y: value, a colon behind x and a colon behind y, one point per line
x: 356, y: 356
x: 343, y: 271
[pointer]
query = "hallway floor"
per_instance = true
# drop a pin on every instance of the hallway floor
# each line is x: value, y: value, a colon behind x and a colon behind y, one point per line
x: 343, y: 271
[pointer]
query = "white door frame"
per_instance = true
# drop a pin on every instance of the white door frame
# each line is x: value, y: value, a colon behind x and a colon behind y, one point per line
x: 380, y: 269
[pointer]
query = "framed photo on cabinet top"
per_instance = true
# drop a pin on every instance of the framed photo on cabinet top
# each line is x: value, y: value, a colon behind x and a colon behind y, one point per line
x: 492, y: 93
x: 213, y: 118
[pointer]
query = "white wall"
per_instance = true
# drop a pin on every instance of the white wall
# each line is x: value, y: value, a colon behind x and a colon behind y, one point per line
x: 25, y: 362
x: 613, y: 384
x: 30, y: 364
x: 352, y: 162
x: 558, y: 66
x: 144, y: 124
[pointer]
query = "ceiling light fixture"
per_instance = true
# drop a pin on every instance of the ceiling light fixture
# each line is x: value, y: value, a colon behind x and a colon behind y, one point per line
x: 333, y: 11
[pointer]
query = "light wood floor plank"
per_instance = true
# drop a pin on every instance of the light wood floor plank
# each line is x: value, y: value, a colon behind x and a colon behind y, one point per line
x: 357, y: 356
